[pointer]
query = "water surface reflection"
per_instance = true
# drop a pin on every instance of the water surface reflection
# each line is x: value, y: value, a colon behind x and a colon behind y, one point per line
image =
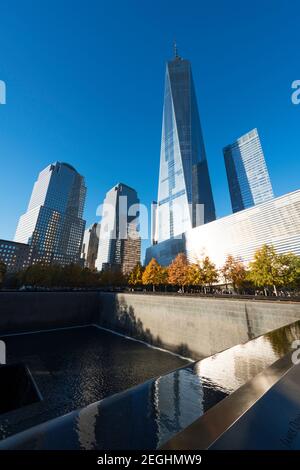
x: 150, y: 414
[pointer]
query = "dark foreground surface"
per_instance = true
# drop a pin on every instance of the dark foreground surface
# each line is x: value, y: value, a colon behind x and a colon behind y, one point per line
x: 151, y: 414
x: 75, y: 367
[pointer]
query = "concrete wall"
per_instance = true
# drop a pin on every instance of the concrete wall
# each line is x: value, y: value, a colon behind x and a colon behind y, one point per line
x: 192, y: 326
x: 25, y: 311
x: 195, y: 327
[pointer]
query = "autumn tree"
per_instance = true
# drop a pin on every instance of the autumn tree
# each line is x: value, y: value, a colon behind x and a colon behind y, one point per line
x: 54, y: 275
x: 178, y: 271
x: 72, y: 275
x: 209, y: 272
x: 234, y: 272
x: 112, y: 277
x: 265, y: 268
x: 89, y: 278
x: 163, y: 276
x: 296, y: 277
x: 289, y: 270
x: 105, y: 278
x: 194, y: 275
x: 154, y: 274
x: 34, y: 275
x: 136, y: 276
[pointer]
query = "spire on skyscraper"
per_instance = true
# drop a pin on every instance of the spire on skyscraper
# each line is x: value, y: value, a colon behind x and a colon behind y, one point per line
x: 175, y: 50
x: 184, y: 182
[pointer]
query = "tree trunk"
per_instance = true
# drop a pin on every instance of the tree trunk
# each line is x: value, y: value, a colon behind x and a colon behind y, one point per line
x: 153, y: 287
x: 265, y: 290
x: 275, y: 290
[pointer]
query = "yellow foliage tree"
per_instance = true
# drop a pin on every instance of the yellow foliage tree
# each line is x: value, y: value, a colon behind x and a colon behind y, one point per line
x: 154, y: 274
x: 178, y: 271
x: 234, y: 272
x: 209, y: 272
x: 195, y: 275
x: 136, y: 276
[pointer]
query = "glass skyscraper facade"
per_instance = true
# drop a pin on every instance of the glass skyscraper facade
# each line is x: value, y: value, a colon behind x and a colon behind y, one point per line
x: 275, y: 222
x: 90, y: 245
x: 184, y: 181
x: 53, y: 225
x: 247, y: 173
x: 119, y: 241
x: 14, y: 255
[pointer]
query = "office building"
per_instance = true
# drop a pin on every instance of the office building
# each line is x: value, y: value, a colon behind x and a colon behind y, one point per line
x: 53, y: 225
x: 247, y: 173
x: 120, y: 242
x: 185, y: 197
x: 90, y: 246
x: 14, y: 255
x: 275, y: 222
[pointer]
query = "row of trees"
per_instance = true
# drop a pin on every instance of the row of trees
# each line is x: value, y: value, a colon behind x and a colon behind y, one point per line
x: 268, y: 270
x: 54, y: 275
x: 180, y: 273
x: 72, y: 275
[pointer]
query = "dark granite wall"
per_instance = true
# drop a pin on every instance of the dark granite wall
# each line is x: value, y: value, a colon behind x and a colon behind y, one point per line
x: 191, y: 326
x: 26, y: 311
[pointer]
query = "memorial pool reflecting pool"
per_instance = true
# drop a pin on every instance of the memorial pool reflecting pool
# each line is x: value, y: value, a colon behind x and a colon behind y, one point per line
x: 78, y: 366
x: 86, y: 363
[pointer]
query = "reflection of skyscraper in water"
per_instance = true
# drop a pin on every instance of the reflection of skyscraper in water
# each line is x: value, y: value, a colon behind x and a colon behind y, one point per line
x: 184, y: 395
x: 86, y: 427
x: 178, y: 401
x: 233, y: 367
x: 184, y: 179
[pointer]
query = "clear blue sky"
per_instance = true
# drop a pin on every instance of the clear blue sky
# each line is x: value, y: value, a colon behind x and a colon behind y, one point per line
x: 85, y: 85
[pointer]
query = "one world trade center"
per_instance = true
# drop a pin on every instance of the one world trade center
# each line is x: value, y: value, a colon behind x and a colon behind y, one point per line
x: 185, y: 197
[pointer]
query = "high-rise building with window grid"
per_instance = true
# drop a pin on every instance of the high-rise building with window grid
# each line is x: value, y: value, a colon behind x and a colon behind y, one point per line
x: 247, y: 173
x: 90, y: 245
x: 275, y: 222
x: 14, y: 255
x: 53, y: 225
x: 185, y: 197
x: 119, y: 242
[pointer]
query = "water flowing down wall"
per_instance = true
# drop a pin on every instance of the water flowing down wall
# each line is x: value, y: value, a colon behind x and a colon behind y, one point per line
x: 194, y: 327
